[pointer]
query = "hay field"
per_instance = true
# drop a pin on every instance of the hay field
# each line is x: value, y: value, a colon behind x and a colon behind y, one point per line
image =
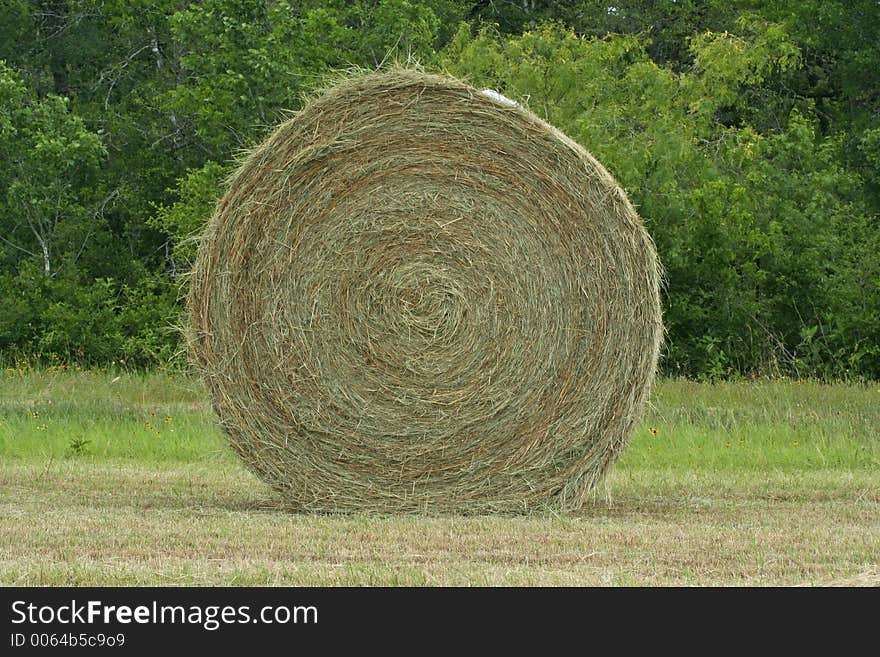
x: 121, y: 479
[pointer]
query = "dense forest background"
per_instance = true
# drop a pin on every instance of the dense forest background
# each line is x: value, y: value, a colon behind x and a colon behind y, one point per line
x: 746, y: 132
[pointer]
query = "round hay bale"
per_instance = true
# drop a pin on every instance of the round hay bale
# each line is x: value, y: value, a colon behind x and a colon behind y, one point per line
x: 416, y: 296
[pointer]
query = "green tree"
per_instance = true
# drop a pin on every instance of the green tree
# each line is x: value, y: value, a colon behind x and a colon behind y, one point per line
x: 745, y: 131
x: 47, y: 210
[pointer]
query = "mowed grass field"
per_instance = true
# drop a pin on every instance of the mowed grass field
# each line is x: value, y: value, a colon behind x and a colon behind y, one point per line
x: 120, y: 479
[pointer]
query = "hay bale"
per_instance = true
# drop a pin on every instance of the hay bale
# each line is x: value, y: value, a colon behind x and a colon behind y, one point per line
x: 418, y: 297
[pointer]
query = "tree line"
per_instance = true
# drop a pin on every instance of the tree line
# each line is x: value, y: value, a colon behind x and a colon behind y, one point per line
x: 746, y: 132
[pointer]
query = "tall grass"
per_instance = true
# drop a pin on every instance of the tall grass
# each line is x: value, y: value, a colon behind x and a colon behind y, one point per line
x: 699, y: 427
x: 758, y: 425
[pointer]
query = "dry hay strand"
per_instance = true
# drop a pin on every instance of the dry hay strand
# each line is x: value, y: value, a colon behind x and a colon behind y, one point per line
x: 417, y: 297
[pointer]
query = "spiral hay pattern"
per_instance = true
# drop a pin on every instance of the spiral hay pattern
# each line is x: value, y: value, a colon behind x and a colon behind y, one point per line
x: 416, y: 297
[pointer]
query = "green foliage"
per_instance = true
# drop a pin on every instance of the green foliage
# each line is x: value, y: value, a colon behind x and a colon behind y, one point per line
x: 730, y: 65
x: 246, y: 63
x: 746, y: 132
x: 92, y: 323
x: 50, y: 160
x: 197, y: 191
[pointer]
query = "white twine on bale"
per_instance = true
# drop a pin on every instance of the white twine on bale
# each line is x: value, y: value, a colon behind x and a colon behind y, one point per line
x: 501, y: 98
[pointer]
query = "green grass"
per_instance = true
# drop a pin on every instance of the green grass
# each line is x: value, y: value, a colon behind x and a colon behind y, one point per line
x: 148, y: 418
x: 759, y: 426
x: 762, y: 425
x: 112, y: 478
